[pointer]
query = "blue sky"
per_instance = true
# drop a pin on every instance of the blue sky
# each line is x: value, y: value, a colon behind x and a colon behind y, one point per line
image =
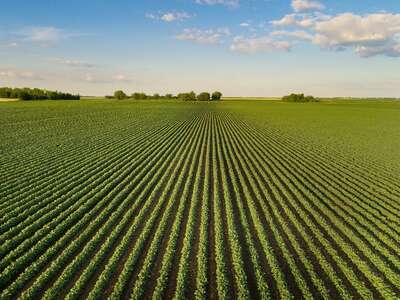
x: 243, y: 48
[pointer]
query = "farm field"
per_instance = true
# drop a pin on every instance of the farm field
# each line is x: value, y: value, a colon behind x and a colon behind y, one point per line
x: 231, y: 200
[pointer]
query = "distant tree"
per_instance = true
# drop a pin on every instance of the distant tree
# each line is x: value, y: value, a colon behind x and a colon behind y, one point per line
x: 139, y: 96
x: 187, y: 96
x: 35, y: 94
x: 299, y: 98
x: 169, y: 96
x: 192, y: 96
x: 216, y: 96
x: 203, y: 97
x: 120, y: 95
x: 5, y: 92
x: 24, y: 95
x: 156, y: 96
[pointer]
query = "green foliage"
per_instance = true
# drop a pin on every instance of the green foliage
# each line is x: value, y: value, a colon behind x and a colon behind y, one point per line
x: 35, y: 94
x: 216, y: 96
x: 191, y: 96
x: 139, y: 96
x: 120, y: 95
x: 299, y: 98
x: 203, y: 97
x: 187, y: 96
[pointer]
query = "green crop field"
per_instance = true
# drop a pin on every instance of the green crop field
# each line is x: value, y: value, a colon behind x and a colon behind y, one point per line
x: 231, y: 200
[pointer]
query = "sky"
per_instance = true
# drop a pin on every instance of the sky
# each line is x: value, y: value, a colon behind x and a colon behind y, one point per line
x: 249, y: 48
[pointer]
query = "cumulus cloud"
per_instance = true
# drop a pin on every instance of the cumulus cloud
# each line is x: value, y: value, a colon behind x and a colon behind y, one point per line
x: 232, y: 3
x: 306, y: 5
x: 369, y: 35
x: 259, y: 44
x: 209, y: 36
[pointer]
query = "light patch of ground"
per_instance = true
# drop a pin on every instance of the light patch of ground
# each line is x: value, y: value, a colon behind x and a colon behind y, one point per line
x: 8, y: 100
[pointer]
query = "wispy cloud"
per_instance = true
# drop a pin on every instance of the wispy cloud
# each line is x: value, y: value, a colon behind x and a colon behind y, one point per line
x: 72, y: 63
x: 169, y: 16
x: 301, y: 20
x: 17, y: 74
x: 121, y: 77
x: 45, y: 35
x: 258, y: 45
x: 231, y: 3
x: 209, y: 36
x: 9, y: 45
x: 107, y: 78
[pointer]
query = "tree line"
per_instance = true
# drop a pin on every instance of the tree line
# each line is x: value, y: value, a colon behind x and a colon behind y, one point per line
x: 191, y: 96
x: 35, y: 94
x: 299, y: 98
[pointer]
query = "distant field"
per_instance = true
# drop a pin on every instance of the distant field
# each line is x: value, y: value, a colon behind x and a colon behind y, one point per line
x: 256, y: 199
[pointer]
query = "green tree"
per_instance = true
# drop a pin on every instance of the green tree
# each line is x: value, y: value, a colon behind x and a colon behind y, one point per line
x: 299, y: 98
x: 187, y: 96
x: 203, y: 97
x: 216, y: 96
x: 139, y: 96
x: 119, y: 95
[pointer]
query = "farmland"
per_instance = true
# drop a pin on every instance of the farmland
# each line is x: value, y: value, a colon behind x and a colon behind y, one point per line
x: 262, y: 199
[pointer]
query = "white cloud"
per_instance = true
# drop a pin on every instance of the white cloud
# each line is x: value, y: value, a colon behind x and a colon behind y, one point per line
x: 244, y: 24
x: 120, y: 77
x: 151, y: 16
x: 285, y: 21
x: 169, y: 16
x: 45, y: 35
x: 259, y: 44
x: 210, y: 36
x: 9, y: 45
x: 369, y: 35
x: 297, y: 34
x: 232, y: 3
x: 301, y: 20
x: 306, y: 5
